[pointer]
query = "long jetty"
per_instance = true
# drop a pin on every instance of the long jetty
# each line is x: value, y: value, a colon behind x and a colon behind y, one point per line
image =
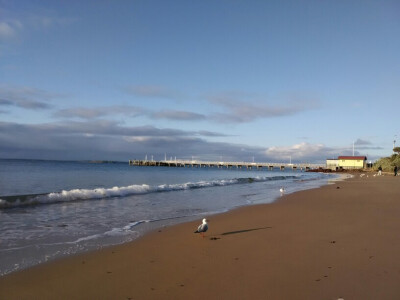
x: 221, y: 164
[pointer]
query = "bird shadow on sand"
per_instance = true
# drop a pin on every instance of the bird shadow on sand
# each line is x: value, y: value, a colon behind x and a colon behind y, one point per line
x: 245, y: 230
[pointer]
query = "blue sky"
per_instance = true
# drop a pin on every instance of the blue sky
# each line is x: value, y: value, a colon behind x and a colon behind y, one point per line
x: 231, y: 80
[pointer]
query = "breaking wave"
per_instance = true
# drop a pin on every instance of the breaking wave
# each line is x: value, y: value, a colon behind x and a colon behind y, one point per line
x: 101, y: 193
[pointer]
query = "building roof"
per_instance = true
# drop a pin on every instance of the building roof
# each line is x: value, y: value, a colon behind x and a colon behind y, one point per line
x: 353, y: 157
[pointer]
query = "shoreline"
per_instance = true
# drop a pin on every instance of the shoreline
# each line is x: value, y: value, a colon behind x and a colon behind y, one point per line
x: 339, y: 240
x: 131, y: 225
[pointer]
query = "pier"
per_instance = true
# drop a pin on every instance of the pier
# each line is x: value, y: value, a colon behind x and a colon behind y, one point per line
x: 226, y: 165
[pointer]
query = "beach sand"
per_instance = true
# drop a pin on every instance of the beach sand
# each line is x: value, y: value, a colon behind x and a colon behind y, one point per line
x: 338, y: 241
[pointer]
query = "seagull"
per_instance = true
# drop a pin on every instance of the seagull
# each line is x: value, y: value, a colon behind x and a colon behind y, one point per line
x: 282, y: 190
x: 202, y: 228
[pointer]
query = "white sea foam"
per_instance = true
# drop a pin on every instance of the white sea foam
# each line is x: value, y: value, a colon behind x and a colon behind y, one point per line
x: 118, y: 231
x: 86, y: 238
x: 100, y: 193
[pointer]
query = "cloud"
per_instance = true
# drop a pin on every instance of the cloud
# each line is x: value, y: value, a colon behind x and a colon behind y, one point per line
x: 45, y: 21
x: 103, y: 139
x: 234, y: 107
x: 98, y: 127
x: 127, y: 110
x: 26, y: 97
x: 178, y: 115
x: 6, y: 102
x: 9, y: 29
x: 306, y: 152
x: 92, y: 113
x: 301, y: 152
x: 109, y: 140
x: 365, y: 145
x: 211, y: 134
x: 17, y: 25
x: 240, y: 111
x: 362, y: 142
x: 152, y: 91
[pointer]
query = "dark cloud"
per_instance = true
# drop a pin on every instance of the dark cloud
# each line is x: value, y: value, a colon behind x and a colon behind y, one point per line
x: 92, y: 113
x: 102, y: 140
x: 98, y: 127
x: 362, y: 142
x: 109, y: 140
x: 6, y: 102
x: 365, y: 148
x: 152, y: 91
x: 365, y: 145
x: 26, y: 97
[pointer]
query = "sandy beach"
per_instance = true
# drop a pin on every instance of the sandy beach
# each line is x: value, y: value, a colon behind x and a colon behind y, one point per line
x: 338, y: 241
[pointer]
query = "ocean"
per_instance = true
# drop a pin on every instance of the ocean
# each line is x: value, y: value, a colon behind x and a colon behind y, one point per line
x: 51, y: 209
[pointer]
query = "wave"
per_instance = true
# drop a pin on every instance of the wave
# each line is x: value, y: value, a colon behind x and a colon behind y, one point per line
x: 101, y: 193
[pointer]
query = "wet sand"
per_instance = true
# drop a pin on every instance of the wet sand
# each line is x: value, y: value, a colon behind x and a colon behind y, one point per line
x: 338, y: 241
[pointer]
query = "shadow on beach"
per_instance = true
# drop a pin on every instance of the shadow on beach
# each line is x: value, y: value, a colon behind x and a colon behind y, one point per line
x: 244, y: 230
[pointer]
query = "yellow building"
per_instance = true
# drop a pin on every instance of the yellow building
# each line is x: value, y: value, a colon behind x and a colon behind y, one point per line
x: 352, y: 162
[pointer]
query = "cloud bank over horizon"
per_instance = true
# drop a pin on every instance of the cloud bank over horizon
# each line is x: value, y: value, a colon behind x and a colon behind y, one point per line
x: 107, y: 140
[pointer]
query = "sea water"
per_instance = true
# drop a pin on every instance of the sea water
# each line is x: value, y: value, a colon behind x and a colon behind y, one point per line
x: 50, y: 209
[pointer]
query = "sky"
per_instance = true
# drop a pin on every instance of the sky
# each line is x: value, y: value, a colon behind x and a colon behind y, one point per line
x: 264, y: 81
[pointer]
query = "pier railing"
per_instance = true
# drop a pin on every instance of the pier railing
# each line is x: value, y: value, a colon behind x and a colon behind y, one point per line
x: 224, y: 164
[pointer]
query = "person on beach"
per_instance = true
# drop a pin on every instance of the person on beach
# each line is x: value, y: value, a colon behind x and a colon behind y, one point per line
x: 380, y: 171
x: 395, y: 170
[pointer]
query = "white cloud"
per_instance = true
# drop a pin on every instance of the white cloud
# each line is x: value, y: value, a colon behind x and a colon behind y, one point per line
x: 9, y: 29
x: 299, y: 152
x: 133, y: 139
x: 12, y: 28
x: 48, y: 21
x: 6, y: 31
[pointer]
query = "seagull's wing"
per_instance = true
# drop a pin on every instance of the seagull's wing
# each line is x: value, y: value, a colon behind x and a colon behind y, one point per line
x: 202, y: 228
x: 199, y: 229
